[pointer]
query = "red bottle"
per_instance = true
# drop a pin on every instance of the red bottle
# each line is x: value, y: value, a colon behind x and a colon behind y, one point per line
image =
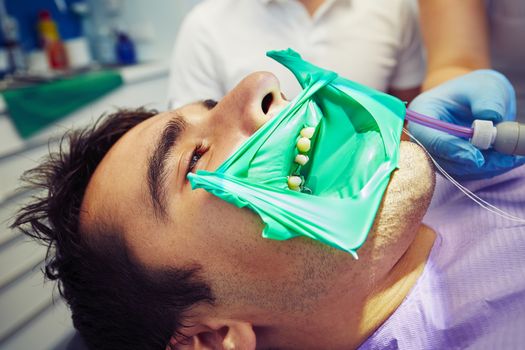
x: 50, y: 38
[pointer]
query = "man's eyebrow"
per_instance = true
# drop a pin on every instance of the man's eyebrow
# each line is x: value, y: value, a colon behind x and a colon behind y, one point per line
x: 157, y: 163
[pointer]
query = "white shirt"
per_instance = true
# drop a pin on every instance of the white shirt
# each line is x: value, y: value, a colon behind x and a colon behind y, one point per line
x: 373, y: 42
x: 507, y: 44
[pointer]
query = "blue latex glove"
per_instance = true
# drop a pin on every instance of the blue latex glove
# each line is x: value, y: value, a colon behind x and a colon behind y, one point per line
x: 482, y: 94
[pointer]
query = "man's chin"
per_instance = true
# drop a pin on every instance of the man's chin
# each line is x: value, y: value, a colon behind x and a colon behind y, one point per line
x: 404, y: 204
x: 415, y: 167
x: 414, y: 181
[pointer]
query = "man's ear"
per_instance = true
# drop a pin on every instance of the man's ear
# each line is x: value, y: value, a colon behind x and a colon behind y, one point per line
x: 216, y: 334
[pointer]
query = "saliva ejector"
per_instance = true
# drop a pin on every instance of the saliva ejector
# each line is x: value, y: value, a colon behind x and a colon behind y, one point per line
x: 505, y: 137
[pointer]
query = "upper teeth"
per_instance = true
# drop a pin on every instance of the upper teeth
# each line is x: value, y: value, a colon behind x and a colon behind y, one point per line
x: 308, y: 132
x: 303, y: 146
x: 301, y: 159
x: 294, y: 182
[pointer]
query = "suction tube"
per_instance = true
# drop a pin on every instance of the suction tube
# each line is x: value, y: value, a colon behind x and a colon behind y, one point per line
x: 456, y: 130
x: 505, y: 137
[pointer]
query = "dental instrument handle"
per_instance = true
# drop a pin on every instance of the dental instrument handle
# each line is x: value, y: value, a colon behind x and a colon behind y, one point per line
x: 510, y: 138
x: 505, y: 137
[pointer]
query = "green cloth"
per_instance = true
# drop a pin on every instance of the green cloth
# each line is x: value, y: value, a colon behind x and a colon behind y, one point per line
x: 35, y: 107
x: 354, y: 150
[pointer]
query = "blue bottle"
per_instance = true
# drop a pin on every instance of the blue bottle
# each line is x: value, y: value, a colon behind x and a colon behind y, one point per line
x: 125, y: 49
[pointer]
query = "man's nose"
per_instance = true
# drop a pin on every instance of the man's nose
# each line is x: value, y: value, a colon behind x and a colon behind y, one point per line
x: 254, y: 101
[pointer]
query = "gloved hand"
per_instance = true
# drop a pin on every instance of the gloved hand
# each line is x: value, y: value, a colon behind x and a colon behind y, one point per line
x: 482, y: 94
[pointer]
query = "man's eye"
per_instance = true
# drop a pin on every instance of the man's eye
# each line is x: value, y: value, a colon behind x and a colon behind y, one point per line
x: 193, y: 161
x: 195, y: 157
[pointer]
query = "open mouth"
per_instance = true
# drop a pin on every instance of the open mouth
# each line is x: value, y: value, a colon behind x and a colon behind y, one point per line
x: 297, y: 177
x: 326, y: 144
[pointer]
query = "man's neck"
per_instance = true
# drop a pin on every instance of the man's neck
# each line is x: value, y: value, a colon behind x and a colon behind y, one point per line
x: 388, y: 295
x: 347, y: 320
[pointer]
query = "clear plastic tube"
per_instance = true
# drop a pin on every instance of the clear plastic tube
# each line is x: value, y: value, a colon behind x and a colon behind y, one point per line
x: 456, y: 130
x: 478, y: 200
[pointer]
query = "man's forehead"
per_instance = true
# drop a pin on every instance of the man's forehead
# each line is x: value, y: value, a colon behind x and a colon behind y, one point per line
x: 133, y: 146
x: 116, y: 185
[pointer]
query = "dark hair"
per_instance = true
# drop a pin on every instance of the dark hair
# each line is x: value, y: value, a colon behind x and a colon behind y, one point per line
x: 115, y: 302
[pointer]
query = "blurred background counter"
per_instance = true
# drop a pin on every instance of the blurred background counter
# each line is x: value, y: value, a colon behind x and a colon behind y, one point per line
x: 31, y: 314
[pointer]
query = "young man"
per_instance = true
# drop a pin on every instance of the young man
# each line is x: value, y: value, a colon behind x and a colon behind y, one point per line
x: 144, y: 260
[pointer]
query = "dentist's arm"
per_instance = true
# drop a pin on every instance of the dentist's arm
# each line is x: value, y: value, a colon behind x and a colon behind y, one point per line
x: 455, y: 34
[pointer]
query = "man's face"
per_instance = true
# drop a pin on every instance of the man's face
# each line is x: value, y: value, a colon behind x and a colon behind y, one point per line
x: 141, y: 187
